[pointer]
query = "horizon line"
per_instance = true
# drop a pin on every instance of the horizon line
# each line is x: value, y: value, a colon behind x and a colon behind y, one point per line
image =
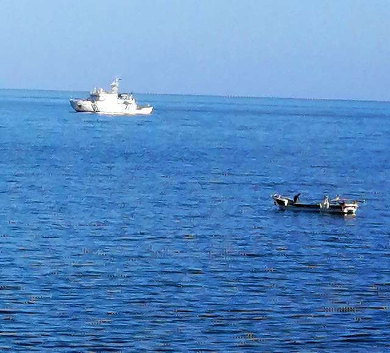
x: 212, y: 95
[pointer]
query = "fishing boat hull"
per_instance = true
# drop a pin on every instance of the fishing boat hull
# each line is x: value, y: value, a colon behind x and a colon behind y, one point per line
x: 342, y: 207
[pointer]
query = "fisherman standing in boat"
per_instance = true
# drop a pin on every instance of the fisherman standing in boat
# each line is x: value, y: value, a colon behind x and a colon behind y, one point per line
x: 296, y: 197
x: 325, y: 202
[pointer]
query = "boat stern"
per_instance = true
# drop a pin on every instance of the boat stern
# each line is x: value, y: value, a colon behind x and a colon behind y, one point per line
x: 349, y: 208
x: 144, y: 110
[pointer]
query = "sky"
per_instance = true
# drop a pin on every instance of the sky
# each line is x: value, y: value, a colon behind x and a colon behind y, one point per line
x: 330, y: 49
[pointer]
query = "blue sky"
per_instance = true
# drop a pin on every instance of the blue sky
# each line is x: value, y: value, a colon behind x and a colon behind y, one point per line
x: 280, y: 48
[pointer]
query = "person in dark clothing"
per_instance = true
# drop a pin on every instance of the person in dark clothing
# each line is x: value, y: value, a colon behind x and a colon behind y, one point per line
x: 296, y: 197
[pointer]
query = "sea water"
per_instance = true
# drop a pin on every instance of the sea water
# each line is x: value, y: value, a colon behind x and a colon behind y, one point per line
x: 158, y: 233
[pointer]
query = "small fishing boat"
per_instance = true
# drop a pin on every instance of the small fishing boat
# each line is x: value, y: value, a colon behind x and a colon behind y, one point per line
x: 337, y: 205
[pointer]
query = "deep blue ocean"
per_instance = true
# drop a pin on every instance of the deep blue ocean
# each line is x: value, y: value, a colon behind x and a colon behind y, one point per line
x: 158, y: 233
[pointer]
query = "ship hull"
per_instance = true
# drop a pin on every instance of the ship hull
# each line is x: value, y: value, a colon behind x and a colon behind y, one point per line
x: 81, y: 105
x: 108, y: 108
